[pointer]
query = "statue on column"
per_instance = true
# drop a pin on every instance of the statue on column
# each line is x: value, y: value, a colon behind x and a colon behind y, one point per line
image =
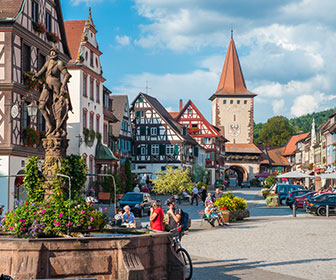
x: 54, y: 102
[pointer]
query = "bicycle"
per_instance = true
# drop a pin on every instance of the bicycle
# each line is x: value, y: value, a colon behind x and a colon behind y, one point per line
x: 181, y: 252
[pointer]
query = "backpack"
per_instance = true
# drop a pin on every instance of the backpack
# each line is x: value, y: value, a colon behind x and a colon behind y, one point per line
x: 185, y: 220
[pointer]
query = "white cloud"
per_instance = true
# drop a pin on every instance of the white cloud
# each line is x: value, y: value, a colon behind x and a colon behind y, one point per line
x: 305, y: 104
x: 278, y: 106
x: 123, y: 40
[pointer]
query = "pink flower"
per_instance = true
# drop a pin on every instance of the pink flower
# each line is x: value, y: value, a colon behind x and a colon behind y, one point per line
x: 44, y: 211
x: 105, y: 209
x: 14, y: 215
x: 54, y: 220
x: 60, y: 215
x: 57, y: 223
x: 11, y: 228
x: 47, y: 206
x: 91, y: 219
x: 24, y: 229
x: 82, y: 212
x: 23, y: 225
x: 20, y: 229
x: 89, y: 227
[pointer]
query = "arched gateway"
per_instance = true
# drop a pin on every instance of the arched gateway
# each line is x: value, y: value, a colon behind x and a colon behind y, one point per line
x: 239, y: 172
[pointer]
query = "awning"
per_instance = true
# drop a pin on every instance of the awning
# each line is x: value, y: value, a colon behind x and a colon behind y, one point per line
x: 263, y: 175
x: 104, y: 153
x: 294, y: 175
x: 141, y: 171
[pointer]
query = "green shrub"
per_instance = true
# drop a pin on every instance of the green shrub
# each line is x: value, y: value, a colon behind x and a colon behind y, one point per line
x: 254, y: 182
x: 230, y: 202
x: 269, y: 198
x: 270, y: 181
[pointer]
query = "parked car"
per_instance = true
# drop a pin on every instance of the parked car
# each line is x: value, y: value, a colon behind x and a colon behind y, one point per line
x: 140, y: 203
x: 299, y: 200
x: 245, y: 184
x: 317, y: 205
x: 290, y: 198
x: 283, y: 190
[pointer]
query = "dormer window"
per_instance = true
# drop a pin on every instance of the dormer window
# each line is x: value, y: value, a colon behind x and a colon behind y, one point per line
x: 189, y: 111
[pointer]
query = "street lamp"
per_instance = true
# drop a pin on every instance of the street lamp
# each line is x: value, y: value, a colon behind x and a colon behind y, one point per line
x: 32, y: 110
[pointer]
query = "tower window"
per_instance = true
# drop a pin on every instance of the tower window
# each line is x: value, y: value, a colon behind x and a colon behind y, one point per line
x: 245, y: 101
x: 224, y: 101
x: 231, y: 101
x: 238, y: 101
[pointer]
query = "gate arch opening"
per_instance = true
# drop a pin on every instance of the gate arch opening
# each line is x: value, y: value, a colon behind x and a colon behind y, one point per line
x: 239, y: 172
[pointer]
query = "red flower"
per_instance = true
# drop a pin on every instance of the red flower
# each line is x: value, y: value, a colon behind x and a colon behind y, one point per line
x: 26, y: 203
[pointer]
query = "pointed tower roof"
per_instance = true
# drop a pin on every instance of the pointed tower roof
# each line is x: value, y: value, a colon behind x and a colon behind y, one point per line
x: 232, y: 79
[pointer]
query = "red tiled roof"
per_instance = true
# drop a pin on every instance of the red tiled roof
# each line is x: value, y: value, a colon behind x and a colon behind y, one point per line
x: 276, y: 158
x: 291, y: 144
x: 174, y: 114
x: 232, y: 79
x: 74, y: 31
x: 242, y: 148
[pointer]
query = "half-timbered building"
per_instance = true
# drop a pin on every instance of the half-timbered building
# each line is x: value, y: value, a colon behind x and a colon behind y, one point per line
x: 159, y: 140
x: 207, y: 136
x: 28, y: 30
x: 122, y: 129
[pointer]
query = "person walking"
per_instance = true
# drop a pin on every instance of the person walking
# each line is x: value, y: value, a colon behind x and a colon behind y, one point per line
x: 203, y: 194
x: 194, y: 195
x: 156, y: 216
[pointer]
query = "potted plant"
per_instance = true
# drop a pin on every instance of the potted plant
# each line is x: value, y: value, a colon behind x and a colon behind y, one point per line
x: 30, y: 136
x: 52, y: 37
x: 29, y: 82
x: 39, y: 27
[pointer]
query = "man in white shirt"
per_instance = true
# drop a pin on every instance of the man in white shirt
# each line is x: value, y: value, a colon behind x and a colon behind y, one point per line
x: 136, y: 189
x: 194, y: 195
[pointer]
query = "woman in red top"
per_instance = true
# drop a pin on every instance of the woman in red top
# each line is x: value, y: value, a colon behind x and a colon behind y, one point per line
x: 156, y: 216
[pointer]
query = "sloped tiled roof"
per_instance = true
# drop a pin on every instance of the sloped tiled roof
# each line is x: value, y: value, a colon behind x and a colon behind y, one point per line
x: 74, y: 31
x: 242, y: 148
x: 291, y: 144
x: 232, y: 80
x: 118, y: 105
x: 167, y: 117
x: 10, y: 9
x: 174, y: 114
x: 276, y: 158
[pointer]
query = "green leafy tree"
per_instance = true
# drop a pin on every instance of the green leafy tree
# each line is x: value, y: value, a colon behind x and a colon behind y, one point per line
x: 270, y: 181
x: 200, y: 173
x: 172, y: 181
x: 33, y: 180
x: 128, y: 175
x: 257, y: 131
x: 276, y: 132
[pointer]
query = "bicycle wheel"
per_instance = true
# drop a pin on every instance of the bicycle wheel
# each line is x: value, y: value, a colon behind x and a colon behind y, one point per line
x: 187, y: 262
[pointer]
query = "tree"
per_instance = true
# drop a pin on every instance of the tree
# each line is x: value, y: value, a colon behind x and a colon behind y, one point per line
x: 172, y: 181
x: 128, y: 175
x: 257, y: 128
x: 276, y: 132
x: 200, y: 173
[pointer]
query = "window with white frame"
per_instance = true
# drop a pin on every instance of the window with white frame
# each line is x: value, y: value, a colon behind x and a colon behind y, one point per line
x: 155, y: 150
x: 169, y: 149
x: 153, y: 131
x: 162, y: 130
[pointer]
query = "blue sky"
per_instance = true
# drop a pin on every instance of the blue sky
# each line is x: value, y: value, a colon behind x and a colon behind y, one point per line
x: 286, y: 49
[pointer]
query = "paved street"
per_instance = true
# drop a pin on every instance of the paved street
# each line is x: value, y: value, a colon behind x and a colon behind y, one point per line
x: 270, y: 244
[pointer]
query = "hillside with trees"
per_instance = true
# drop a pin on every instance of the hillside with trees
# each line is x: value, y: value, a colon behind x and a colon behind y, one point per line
x: 277, y: 130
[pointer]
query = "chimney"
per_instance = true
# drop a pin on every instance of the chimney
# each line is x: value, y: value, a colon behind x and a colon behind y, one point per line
x: 181, y: 105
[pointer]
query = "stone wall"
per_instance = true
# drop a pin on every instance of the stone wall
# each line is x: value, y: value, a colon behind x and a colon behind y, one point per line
x: 148, y: 256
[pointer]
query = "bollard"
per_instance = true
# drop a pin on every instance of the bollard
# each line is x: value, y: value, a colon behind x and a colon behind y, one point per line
x: 327, y: 210
x: 294, y: 210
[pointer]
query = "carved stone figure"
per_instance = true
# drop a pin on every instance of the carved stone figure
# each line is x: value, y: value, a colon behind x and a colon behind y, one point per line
x: 54, y: 102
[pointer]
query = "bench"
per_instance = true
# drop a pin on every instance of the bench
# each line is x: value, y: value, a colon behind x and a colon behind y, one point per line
x: 211, y: 221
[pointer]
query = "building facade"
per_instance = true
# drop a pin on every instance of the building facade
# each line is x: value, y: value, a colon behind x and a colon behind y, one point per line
x: 207, y: 136
x: 159, y: 140
x: 86, y: 124
x: 28, y: 30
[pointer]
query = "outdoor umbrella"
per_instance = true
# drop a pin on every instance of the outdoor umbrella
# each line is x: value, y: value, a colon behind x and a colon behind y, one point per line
x: 294, y: 175
x: 327, y: 175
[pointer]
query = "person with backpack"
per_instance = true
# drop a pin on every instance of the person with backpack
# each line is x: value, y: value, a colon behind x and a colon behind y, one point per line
x: 174, y: 214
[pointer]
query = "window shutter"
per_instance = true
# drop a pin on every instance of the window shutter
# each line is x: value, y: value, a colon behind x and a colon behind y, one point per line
x: 148, y: 131
x: 212, y: 155
x: 142, y: 130
x: 158, y: 130
x: 138, y: 151
x: 176, y: 149
x: 196, y: 151
x: 149, y: 149
x: 162, y: 149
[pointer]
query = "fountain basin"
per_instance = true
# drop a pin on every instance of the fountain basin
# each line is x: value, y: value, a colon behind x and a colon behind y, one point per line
x: 127, y: 255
